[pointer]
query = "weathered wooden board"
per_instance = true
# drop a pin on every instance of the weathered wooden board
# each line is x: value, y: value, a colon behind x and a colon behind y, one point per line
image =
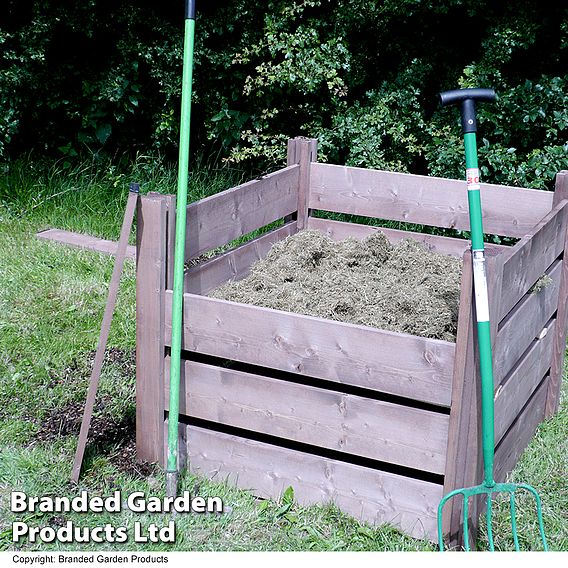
x: 512, y: 395
x: 396, y: 363
x: 221, y: 218
x: 87, y: 242
x: 424, y: 200
x: 519, y: 435
x: 150, y: 286
x: 524, y: 323
x: 460, y: 452
x: 527, y: 261
x: 328, y: 419
x: 267, y: 470
x: 233, y: 264
x: 338, y: 230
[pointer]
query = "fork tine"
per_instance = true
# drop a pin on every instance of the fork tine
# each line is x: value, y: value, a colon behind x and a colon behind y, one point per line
x: 514, y: 521
x: 489, y: 522
x: 465, y: 523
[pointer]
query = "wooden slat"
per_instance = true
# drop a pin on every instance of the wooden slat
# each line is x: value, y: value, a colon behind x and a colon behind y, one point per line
x: 521, y: 383
x: 352, y: 424
x: 559, y: 348
x: 306, y: 152
x: 221, y: 218
x: 339, y: 230
x: 532, y: 255
x: 524, y: 323
x: 267, y: 470
x: 424, y: 200
x: 87, y: 242
x: 463, y: 400
x: 234, y: 264
x: 150, y: 286
x: 396, y: 363
x: 518, y: 437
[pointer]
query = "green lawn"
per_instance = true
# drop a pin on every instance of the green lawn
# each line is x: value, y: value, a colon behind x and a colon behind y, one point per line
x: 51, y: 304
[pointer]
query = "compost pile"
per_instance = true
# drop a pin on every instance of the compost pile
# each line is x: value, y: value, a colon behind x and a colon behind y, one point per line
x: 403, y: 287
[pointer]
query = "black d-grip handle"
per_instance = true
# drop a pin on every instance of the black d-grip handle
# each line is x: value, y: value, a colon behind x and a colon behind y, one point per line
x: 467, y: 98
x: 190, y: 9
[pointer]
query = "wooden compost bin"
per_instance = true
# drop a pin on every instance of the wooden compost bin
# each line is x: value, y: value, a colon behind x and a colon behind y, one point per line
x: 380, y: 423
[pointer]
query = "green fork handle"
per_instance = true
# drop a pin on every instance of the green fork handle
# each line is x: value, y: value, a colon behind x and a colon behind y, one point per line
x: 179, y: 253
x: 467, y: 98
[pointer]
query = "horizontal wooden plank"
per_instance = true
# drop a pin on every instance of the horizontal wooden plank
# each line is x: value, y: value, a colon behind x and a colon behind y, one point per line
x: 234, y: 264
x: 424, y: 200
x: 328, y: 419
x: 223, y: 217
x: 520, y: 434
x: 267, y: 470
x: 512, y: 395
x: 532, y: 255
x: 524, y: 323
x: 396, y: 363
x: 339, y: 230
x: 87, y: 242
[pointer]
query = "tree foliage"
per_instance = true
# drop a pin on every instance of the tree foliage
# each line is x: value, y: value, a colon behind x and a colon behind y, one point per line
x: 361, y: 76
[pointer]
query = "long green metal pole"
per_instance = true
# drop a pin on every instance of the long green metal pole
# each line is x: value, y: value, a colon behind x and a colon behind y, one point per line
x: 481, y: 306
x: 179, y: 255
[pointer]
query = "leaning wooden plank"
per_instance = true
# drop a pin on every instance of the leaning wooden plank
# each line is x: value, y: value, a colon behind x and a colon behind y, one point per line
x: 233, y: 264
x: 370, y: 495
x: 464, y: 387
x: 524, y: 323
x: 352, y: 424
x: 424, y: 200
x: 221, y: 218
x: 527, y: 261
x: 396, y: 363
x: 150, y: 286
x: 520, y: 434
x: 512, y: 395
x: 86, y: 242
x: 338, y: 230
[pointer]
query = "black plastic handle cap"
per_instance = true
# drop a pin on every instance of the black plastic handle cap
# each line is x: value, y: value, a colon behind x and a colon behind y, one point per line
x: 190, y: 9
x: 460, y: 95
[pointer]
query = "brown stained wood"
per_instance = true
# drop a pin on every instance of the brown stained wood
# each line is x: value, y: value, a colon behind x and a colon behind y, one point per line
x: 524, y: 323
x: 86, y: 242
x: 462, y: 446
x: 424, y: 200
x: 352, y: 424
x: 170, y: 239
x: 559, y: 347
x: 527, y: 261
x: 339, y: 230
x: 522, y: 381
x: 150, y: 288
x: 104, y: 333
x: 396, y: 363
x: 306, y: 152
x: 369, y: 495
x: 234, y: 264
x: 221, y: 218
x: 520, y: 434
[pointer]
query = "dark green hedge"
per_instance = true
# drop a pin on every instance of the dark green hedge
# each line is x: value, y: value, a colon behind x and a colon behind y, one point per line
x: 361, y: 76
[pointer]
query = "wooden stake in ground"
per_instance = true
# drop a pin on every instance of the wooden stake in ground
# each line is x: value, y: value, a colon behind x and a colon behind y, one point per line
x: 105, y: 328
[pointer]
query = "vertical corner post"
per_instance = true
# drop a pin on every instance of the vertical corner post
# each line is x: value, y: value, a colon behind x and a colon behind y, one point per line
x: 150, y: 304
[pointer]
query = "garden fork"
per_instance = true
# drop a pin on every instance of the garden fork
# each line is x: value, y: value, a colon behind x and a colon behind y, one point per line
x: 489, y: 488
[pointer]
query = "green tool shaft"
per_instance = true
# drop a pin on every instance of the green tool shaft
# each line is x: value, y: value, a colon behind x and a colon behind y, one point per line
x: 179, y: 255
x: 482, y: 307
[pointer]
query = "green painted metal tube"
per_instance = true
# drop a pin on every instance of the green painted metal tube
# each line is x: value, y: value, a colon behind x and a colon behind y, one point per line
x: 179, y: 254
x: 481, y: 306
